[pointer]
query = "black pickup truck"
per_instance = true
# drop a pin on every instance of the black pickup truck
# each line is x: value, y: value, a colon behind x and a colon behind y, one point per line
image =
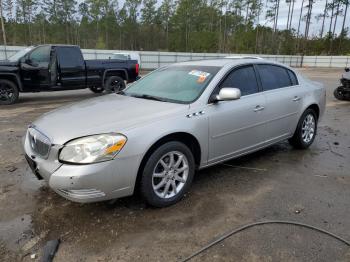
x: 61, y: 67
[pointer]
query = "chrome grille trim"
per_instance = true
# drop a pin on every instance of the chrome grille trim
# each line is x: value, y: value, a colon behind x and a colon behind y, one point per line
x: 39, y: 143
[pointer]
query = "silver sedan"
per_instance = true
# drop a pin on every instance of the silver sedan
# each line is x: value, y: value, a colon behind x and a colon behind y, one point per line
x: 156, y: 133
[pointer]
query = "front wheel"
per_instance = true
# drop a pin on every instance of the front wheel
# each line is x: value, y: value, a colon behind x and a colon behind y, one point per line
x: 167, y: 175
x: 8, y: 92
x: 305, y: 132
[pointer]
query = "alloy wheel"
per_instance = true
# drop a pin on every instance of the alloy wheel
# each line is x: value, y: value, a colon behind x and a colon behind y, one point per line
x: 6, y: 92
x: 308, y: 128
x: 170, y: 174
x: 116, y: 86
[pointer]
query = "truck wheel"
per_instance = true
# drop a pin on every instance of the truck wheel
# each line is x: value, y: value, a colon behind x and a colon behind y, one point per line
x: 114, y: 84
x: 167, y: 174
x: 8, y: 92
x: 97, y: 89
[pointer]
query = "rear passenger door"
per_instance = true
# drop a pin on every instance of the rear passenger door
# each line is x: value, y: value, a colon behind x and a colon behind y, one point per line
x: 237, y: 127
x: 71, y: 67
x: 283, y: 100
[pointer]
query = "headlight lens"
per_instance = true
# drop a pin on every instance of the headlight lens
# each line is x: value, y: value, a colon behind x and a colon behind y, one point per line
x: 92, y: 149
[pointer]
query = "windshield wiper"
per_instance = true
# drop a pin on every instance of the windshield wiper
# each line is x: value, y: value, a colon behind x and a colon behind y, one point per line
x: 149, y: 97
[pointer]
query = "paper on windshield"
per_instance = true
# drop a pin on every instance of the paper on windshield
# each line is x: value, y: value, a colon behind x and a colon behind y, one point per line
x: 202, y: 76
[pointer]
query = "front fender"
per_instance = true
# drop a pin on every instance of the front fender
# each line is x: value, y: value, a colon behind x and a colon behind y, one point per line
x: 141, y: 139
x: 14, y: 77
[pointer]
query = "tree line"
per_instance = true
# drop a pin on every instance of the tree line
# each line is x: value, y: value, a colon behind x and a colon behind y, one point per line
x: 232, y: 26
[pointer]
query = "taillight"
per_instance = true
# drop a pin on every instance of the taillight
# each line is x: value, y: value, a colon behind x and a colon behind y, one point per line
x: 137, y: 69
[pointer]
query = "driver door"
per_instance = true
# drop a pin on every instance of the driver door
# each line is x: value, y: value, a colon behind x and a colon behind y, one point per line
x: 237, y: 126
x: 35, y: 71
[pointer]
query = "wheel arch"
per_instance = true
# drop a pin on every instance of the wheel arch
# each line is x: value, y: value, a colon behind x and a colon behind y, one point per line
x: 314, y: 107
x: 12, y: 77
x: 186, y: 138
x: 115, y: 72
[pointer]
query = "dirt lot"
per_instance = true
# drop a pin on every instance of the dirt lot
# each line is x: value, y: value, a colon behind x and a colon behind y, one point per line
x: 311, y: 186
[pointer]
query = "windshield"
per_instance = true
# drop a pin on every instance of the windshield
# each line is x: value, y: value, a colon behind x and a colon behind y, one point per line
x: 15, y: 57
x: 179, y: 84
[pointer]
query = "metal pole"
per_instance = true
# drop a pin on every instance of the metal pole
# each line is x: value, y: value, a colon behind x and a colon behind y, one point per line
x: 315, y: 61
x: 3, y: 30
x: 158, y: 59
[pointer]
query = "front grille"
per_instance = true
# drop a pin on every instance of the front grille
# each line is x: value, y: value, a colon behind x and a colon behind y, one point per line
x: 39, y: 143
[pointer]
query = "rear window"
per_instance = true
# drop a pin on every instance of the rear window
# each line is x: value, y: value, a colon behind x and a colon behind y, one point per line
x: 69, y: 57
x: 273, y: 77
x: 293, y: 78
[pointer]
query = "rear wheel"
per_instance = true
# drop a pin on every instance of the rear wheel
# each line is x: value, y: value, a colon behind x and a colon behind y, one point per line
x: 114, y: 84
x: 97, y: 89
x: 167, y: 175
x: 305, y: 133
x: 8, y: 92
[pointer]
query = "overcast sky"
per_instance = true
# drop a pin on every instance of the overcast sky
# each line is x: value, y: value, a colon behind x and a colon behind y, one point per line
x: 315, y: 27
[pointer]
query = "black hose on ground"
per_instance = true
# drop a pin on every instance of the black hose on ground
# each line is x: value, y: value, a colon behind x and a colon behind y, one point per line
x: 240, y: 229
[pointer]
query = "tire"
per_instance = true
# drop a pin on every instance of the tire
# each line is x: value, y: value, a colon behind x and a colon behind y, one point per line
x: 155, y: 175
x: 338, y: 94
x: 306, y: 130
x: 114, y: 84
x: 9, y: 92
x: 97, y: 89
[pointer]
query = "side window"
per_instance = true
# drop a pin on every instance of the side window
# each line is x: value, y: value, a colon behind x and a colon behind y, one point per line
x: 40, y: 55
x: 243, y: 78
x: 69, y: 57
x: 293, y: 78
x: 273, y: 77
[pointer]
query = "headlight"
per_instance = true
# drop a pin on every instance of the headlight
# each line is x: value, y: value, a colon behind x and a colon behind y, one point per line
x: 92, y: 149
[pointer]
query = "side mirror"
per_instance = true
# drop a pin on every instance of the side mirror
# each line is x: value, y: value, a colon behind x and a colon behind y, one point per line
x: 228, y: 93
x: 28, y: 61
x: 347, y: 69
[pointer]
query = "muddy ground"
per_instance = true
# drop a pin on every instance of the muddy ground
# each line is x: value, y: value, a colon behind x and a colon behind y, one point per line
x: 311, y: 186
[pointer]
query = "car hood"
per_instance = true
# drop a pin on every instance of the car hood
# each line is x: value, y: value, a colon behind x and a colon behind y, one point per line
x: 109, y: 113
x: 7, y: 63
x: 8, y: 66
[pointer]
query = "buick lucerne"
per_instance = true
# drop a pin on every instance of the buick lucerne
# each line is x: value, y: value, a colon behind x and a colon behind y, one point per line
x: 156, y: 133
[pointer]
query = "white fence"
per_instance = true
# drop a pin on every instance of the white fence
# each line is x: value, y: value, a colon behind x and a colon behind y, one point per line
x: 152, y: 60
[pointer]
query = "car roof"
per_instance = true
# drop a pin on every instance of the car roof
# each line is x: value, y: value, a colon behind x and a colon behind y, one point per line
x: 228, y: 62
x: 243, y: 57
x: 57, y: 45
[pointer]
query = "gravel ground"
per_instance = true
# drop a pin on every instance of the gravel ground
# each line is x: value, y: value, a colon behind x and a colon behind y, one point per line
x: 310, y: 186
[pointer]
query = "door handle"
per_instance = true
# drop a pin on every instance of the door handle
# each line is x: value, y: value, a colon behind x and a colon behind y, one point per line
x: 296, y: 98
x: 258, y: 108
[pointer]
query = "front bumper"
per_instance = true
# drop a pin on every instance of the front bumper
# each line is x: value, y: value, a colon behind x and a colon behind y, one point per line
x: 86, y: 183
